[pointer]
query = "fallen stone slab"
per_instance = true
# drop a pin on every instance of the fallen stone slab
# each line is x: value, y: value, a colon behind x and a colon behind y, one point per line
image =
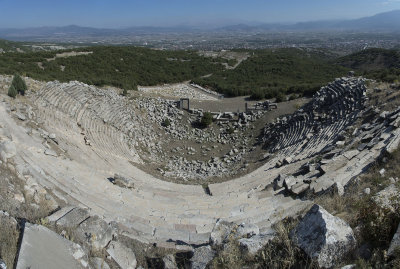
x: 323, y: 237
x: 289, y: 181
x: 335, y: 164
x: 122, y: 255
x: 96, y: 232
x: 201, y: 257
x: 395, y: 243
x: 73, y: 218
x: 60, y: 213
x: 350, y: 154
x: 299, y: 188
x: 43, y: 248
x: 50, y: 152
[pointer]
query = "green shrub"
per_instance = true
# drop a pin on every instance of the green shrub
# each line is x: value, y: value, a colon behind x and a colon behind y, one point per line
x: 292, y: 97
x: 125, y: 92
x: 166, y: 122
x: 19, y: 84
x: 230, y: 130
x: 257, y: 95
x: 12, y: 92
x: 280, y: 97
x: 206, y: 120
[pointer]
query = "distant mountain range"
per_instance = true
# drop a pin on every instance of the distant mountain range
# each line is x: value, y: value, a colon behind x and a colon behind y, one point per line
x: 386, y: 22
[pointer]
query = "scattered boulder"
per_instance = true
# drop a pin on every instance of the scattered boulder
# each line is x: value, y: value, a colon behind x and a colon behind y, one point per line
x: 221, y: 232
x: 2, y: 264
x: 350, y: 266
x: 388, y: 198
x: 96, y: 232
x: 325, y: 238
x: 122, y: 181
x: 50, y: 152
x: 279, y: 181
x: 122, y: 255
x: 7, y: 150
x: 247, y: 230
x: 339, y: 188
x: 21, y: 116
x: 201, y: 257
x: 287, y: 160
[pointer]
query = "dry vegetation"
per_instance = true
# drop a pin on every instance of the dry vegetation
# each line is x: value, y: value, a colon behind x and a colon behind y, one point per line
x: 374, y: 227
x: 9, y: 236
x: 10, y: 188
x: 278, y: 253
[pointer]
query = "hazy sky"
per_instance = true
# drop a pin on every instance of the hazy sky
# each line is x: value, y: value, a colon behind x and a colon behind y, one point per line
x: 121, y: 13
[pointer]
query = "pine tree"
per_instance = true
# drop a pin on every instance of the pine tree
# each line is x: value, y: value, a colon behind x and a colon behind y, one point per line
x: 19, y: 84
x: 12, y: 92
x: 207, y: 119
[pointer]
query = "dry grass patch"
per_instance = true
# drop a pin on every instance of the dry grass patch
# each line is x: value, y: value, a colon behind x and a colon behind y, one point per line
x: 230, y: 255
x: 278, y: 253
x: 281, y: 251
x: 373, y: 226
x: 9, y: 236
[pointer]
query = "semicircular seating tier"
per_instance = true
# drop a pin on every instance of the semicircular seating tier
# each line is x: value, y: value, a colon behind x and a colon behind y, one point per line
x: 156, y: 211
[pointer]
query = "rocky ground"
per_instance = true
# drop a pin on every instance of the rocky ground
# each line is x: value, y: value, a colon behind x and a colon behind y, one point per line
x: 81, y: 168
x: 181, y: 90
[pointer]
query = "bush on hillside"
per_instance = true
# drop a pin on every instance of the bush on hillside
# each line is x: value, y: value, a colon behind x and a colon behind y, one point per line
x: 280, y: 97
x: 257, y: 95
x: 19, y: 84
x: 206, y: 120
x: 12, y: 92
x: 166, y: 122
